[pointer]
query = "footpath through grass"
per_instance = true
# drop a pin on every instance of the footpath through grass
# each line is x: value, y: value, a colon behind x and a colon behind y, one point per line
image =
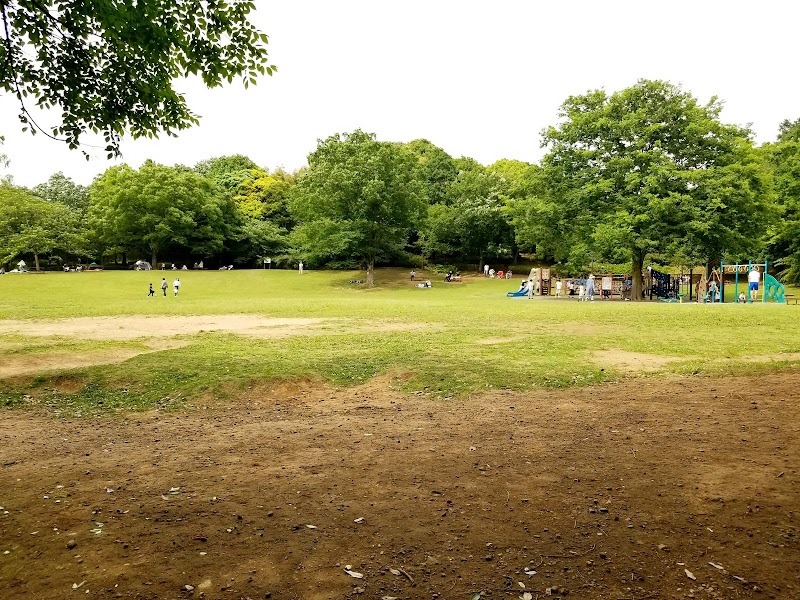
x: 452, y: 339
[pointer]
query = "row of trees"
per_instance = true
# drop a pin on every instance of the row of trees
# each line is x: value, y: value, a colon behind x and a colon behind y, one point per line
x: 644, y: 174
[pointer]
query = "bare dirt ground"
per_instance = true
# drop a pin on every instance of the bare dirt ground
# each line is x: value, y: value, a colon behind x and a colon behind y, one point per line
x: 653, y: 488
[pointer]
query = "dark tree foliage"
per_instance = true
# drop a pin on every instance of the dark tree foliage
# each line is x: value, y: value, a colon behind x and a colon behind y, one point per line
x: 109, y: 65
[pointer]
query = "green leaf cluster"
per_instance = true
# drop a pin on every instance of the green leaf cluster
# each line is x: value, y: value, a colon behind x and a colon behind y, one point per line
x: 110, y: 66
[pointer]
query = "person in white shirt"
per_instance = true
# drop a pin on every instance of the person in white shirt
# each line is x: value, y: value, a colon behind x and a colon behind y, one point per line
x: 754, y: 278
x: 176, y: 286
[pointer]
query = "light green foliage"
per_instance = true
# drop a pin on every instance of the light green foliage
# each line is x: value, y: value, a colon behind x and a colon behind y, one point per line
x: 358, y: 199
x: 266, y: 196
x: 784, y: 157
x: 651, y: 171
x: 454, y: 339
x: 110, y: 66
x: 60, y: 188
x: 154, y: 208
x: 29, y: 224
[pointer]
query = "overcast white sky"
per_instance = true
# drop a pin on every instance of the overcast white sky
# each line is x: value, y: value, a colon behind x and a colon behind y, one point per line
x: 479, y: 79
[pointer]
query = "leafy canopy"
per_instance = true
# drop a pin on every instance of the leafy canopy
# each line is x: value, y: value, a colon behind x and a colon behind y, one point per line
x: 784, y: 158
x: 358, y: 199
x: 648, y: 171
x: 60, y: 188
x: 29, y: 224
x: 154, y: 208
x: 109, y: 66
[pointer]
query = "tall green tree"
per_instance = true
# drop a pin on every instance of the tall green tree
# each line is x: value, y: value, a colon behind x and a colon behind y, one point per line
x: 60, y: 188
x: 29, y: 224
x: 358, y: 199
x: 109, y: 66
x: 651, y: 171
x: 524, y: 194
x: 784, y: 157
x: 437, y: 169
x: 471, y: 222
x: 155, y: 208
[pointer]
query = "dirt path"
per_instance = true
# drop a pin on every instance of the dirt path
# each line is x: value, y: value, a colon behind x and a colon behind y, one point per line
x: 679, y: 488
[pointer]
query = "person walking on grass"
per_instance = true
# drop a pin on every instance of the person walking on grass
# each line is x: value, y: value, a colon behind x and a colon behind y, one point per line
x: 300, y: 267
x: 164, y: 285
x: 176, y: 286
x: 152, y: 292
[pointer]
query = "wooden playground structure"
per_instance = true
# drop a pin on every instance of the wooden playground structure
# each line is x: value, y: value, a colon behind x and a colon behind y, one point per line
x: 709, y: 285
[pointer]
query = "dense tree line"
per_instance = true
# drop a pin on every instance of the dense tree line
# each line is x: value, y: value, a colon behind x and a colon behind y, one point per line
x: 644, y: 174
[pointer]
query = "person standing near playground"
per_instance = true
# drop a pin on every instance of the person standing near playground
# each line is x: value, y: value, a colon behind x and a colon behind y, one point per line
x: 176, y: 286
x: 164, y: 285
x: 754, y: 278
x: 590, y: 288
x: 152, y: 292
x: 558, y: 288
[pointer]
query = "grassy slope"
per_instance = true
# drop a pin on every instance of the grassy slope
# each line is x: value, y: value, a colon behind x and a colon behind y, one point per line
x: 530, y: 343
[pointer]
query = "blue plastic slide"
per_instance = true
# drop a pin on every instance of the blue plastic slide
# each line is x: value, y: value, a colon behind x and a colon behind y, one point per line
x: 519, y: 292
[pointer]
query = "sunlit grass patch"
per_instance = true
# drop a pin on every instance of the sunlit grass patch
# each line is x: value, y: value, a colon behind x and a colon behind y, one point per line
x: 452, y: 340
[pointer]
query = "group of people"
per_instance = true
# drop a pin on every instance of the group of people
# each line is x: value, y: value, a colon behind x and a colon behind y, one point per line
x: 491, y: 273
x: 176, y: 286
x: 584, y: 289
x: 447, y: 278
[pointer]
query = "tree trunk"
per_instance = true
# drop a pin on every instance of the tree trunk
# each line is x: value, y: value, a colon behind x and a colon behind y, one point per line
x: 637, y: 263
x: 480, y: 263
x: 371, y: 272
x: 36, y: 260
x: 153, y: 264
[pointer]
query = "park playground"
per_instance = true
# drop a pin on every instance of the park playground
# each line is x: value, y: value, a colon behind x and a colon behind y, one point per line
x: 707, y: 285
x: 267, y: 434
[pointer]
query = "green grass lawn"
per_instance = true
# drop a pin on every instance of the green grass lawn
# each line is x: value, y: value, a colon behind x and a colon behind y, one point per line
x: 453, y: 338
